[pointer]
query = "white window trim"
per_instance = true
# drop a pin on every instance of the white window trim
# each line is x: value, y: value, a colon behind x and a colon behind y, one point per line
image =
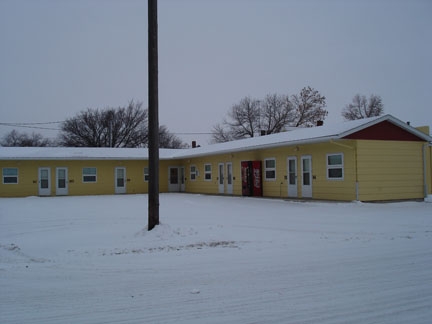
x: 146, y: 174
x: 269, y: 169
x: 335, y: 166
x: 194, y: 173
x: 207, y: 172
x: 95, y: 175
x: 10, y: 183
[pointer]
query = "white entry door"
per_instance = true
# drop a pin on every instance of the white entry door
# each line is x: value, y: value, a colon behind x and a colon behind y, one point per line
x: 120, y: 180
x: 229, y: 178
x: 292, y: 176
x: 174, y: 181
x: 182, y: 179
x: 221, y: 178
x: 61, y: 181
x: 44, y: 182
x: 306, y: 176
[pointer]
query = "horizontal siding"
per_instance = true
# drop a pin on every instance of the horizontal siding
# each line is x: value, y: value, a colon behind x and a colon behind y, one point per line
x: 105, y: 184
x: 278, y: 188
x: 390, y: 170
x: 384, y: 169
x: 429, y: 170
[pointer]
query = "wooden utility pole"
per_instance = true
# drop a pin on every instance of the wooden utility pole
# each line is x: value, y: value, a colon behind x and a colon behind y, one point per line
x: 153, y: 109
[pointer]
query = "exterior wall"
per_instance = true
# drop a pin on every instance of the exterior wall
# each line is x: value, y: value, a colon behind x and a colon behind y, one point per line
x: 429, y: 169
x: 105, y: 183
x: 201, y: 185
x: 384, y: 170
x: 390, y: 170
x: 322, y: 188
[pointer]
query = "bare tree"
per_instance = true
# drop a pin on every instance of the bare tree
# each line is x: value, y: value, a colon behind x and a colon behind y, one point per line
x: 274, y: 114
x: 121, y: 127
x: 243, y: 121
x: 244, y: 118
x: 221, y: 134
x: 15, y: 138
x: 169, y: 140
x: 361, y: 107
x: 309, y: 107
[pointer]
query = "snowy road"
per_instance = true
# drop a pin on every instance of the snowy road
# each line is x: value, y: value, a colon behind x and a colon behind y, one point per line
x: 214, y: 260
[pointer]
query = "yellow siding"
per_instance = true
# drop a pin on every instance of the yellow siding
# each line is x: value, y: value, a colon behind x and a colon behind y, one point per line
x: 27, y: 180
x: 429, y: 169
x: 322, y: 188
x: 384, y: 170
x: 390, y: 170
x: 105, y: 184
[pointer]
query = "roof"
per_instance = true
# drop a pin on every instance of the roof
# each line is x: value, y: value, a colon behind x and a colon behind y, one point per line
x: 79, y: 153
x: 300, y: 136
x: 293, y: 137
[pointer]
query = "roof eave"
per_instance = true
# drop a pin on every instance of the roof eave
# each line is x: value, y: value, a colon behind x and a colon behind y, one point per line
x: 263, y: 146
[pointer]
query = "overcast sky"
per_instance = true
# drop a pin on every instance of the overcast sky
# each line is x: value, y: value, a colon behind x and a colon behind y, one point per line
x: 60, y: 57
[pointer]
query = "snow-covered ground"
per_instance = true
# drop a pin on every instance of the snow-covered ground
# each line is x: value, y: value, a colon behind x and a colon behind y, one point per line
x: 214, y: 260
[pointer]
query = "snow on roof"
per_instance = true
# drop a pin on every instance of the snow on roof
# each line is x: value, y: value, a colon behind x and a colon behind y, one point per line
x: 293, y: 137
x: 79, y: 153
x: 298, y: 136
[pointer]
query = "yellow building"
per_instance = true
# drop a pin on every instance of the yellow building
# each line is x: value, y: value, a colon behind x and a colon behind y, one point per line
x: 380, y: 158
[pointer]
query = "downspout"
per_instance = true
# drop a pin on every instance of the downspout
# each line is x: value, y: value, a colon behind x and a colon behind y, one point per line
x: 355, y: 165
x: 425, y: 186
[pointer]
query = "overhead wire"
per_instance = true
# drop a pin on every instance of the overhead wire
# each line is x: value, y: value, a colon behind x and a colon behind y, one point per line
x: 32, y: 126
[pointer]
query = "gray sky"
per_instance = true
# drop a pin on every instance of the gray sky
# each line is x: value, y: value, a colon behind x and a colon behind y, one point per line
x: 59, y: 57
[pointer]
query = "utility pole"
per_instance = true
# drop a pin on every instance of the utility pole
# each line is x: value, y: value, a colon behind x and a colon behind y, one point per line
x: 153, y: 107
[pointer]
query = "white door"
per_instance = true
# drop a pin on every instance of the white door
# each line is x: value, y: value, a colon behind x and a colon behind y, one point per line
x: 61, y: 181
x: 229, y: 178
x: 221, y: 178
x: 120, y: 180
x: 182, y: 179
x: 174, y: 183
x: 292, y: 176
x: 306, y: 176
x: 44, y: 182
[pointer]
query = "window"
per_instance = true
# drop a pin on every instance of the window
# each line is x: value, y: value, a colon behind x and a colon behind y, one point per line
x: 193, y: 172
x: 270, y: 169
x: 146, y: 174
x: 10, y: 175
x: 207, y: 172
x: 335, y: 166
x: 89, y: 174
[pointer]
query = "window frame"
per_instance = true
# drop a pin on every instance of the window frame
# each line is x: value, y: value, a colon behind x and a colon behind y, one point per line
x: 267, y: 169
x: 146, y: 174
x: 207, y: 172
x: 340, y: 166
x: 193, y: 174
x: 10, y: 176
x: 89, y: 175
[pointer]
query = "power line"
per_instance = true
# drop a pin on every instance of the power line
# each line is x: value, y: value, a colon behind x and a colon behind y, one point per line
x: 32, y: 126
x: 29, y: 126
x: 42, y: 123
x: 192, y: 133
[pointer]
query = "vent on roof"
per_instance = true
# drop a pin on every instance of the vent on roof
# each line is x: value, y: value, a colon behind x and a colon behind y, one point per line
x: 320, y: 122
